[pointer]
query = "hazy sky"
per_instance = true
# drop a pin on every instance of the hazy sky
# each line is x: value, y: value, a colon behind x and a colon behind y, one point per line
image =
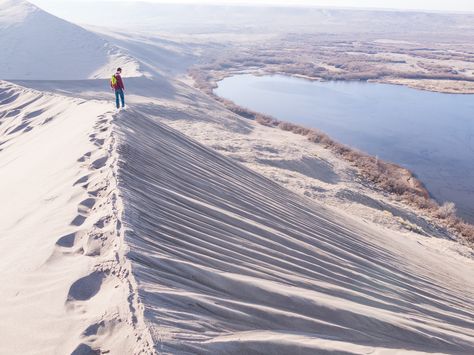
x: 437, y: 5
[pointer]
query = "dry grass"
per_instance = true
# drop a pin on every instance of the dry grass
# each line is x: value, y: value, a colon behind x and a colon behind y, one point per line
x: 466, y: 230
x: 324, y: 57
x: 389, y: 177
x: 447, y: 210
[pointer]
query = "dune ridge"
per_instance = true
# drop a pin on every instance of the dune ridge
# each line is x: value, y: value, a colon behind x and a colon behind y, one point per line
x: 66, y: 284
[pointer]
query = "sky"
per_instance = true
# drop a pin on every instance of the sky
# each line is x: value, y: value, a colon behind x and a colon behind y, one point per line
x: 432, y: 5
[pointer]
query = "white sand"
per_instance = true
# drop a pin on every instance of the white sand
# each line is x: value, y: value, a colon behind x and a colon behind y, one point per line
x: 230, y: 262
x: 224, y: 260
x: 36, y: 45
x: 64, y: 278
x: 178, y: 227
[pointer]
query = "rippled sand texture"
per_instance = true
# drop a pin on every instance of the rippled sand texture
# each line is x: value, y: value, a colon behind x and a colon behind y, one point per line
x: 229, y: 262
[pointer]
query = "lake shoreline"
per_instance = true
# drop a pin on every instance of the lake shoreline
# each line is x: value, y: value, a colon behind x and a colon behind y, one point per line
x: 416, y: 84
x: 381, y: 175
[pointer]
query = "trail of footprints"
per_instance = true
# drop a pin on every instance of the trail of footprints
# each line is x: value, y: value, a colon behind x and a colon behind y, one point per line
x: 98, y: 235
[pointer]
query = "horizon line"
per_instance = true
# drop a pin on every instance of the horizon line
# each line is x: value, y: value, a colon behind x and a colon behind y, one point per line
x: 269, y: 3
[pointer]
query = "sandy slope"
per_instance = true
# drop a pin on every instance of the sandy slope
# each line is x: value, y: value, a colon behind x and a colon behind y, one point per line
x: 229, y: 262
x: 65, y: 284
x: 157, y: 55
x: 178, y: 227
x: 37, y: 45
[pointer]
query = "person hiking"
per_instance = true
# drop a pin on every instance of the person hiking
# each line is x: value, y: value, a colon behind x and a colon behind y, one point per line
x: 116, y: 83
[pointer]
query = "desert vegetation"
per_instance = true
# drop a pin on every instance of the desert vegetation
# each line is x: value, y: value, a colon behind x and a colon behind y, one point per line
x: 324, y: 57
x: 385, y: 176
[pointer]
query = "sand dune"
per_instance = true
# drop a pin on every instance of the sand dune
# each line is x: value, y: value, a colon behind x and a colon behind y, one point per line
x: 230, y: 262
x: 223, y: 259
x: 37, y: 45
x: 191, y: 252
x: 177, y: 227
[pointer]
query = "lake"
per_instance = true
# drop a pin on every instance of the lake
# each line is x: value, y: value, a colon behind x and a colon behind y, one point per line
x: 432, y: 134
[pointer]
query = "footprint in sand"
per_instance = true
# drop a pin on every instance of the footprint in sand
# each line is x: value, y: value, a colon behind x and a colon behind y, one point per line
x: 93, y: 329
x: 99, y: 192
x: 82, y: 180
x: 99, y: 142
x: 84, y: 349
x: 70, y: 240
x: 97, y: 243
x: 100, y: 123
x: 84, y: 157
x: 67, y: 241
x: 99, y: 163
x: 78, y: 220
x: 101, y: 223
x: 86, y: 206
x: 87, y: 287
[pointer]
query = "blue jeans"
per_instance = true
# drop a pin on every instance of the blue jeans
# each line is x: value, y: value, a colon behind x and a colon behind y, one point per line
x: 119, y: 94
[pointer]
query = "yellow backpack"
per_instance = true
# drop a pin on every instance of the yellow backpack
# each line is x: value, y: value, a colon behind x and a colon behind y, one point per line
x: 113, y: 81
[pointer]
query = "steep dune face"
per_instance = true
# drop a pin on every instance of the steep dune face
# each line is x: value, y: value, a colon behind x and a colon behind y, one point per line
x: 65, y: 284
x: 36, y: 45
x: 157, y: 56
x: 229, y: 262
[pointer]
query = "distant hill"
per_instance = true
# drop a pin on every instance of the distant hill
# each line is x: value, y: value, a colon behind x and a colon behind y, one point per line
x: 37, y: 45
x: 211, y: 19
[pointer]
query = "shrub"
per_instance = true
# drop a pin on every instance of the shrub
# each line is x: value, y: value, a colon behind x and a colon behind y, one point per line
x: 448, y: 209
x: 466, y: 230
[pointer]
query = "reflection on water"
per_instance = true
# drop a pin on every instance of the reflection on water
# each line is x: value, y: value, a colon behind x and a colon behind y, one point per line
x: 432, y: 134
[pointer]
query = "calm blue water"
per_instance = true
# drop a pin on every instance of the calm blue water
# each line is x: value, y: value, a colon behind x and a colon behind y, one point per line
x: 431, y: 134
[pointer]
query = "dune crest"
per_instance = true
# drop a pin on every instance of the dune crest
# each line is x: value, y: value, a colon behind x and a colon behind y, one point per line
x: 66, y: 284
